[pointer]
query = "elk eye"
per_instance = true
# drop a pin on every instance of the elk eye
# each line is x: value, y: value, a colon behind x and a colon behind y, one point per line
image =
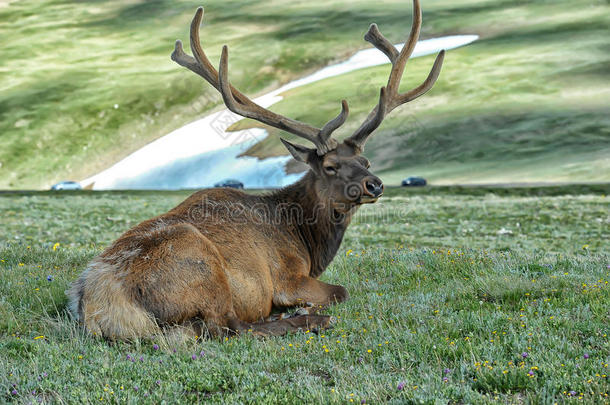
x: 330, y: 170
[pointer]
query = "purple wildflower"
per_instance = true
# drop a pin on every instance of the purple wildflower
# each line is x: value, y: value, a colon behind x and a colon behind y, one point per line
x: 158, y: 382
x: 14, y: 392
x: 49, y: 278
x: 128, y: 357
x: 363, y: 401
x: 586, y: 355
x: 447, y: 370
x: 445, y: 379
x: 531, y: 372
x: 44, y: 374
x: 135, y: 388
x: 401, y: 385
x: 572, y: 393
x: 202, y: 353
x: 156, y: 346
x: 142, y: 358
x: 194, y: 357
x: 524, y: 354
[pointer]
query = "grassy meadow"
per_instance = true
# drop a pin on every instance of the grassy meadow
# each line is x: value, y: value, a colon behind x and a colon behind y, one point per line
x: 458, y: 295
x: 84, y: 83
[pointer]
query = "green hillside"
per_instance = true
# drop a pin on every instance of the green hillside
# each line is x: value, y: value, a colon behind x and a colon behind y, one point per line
x: 529, y: 101
x: 84, y: 83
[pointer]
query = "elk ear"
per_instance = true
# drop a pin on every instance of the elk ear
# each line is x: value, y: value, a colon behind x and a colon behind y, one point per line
x: 299, y: 152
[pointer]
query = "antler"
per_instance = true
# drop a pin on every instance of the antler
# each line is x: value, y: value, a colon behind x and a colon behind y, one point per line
x: 241, y: 104
x: 389, y: 98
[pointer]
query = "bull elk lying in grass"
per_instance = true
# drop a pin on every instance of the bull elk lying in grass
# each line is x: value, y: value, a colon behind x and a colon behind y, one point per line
x: 220, y: 261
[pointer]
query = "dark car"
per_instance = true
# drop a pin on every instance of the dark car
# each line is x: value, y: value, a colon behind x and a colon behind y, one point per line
x: 66, y: 185
x: 414, y: 182
x: 232, y: 183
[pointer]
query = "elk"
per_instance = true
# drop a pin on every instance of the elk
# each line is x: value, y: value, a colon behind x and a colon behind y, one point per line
x: 222, y: 260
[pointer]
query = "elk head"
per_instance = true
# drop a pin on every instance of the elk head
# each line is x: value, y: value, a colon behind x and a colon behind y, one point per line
x: 342, y: 173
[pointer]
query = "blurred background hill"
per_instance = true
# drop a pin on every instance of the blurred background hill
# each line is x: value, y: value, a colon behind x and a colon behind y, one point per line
x: 85, y: 83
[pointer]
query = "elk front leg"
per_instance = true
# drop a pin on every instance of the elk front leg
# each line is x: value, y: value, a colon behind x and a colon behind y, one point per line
x: 307, y: 289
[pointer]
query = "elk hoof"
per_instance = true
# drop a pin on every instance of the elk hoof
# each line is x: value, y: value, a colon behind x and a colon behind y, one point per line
x: 326, y: 322
x: 340, y: 294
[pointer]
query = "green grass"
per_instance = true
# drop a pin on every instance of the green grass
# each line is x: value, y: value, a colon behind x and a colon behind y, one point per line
x: 434, y: 285
x: 529, y: 101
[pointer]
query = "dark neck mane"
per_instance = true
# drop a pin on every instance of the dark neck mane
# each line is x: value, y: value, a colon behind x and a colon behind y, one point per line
x: 318, y: 226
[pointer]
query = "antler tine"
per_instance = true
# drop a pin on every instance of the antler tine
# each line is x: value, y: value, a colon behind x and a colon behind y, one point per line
x: 198, y: 53
x: 426, y: 85
x: 240, y: 103
x: 199, y: 64
x: 389, y: 97
x: 374, y: 119
x: 332, y: 125
x: 398, y: 66
x: 380, y: 42
x: 225, y: 86
x: 226, y: 90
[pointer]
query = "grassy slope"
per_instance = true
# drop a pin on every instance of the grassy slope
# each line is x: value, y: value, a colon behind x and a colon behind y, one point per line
x: 433, y: 286
x: 536, y: 82
x: 65, y: 64
x: 527, y: 102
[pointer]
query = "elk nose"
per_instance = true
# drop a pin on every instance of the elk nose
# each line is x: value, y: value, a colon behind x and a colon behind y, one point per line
x: 373, y: 186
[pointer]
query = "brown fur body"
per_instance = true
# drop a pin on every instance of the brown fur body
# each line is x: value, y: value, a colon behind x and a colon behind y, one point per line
x: 222, y: 256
